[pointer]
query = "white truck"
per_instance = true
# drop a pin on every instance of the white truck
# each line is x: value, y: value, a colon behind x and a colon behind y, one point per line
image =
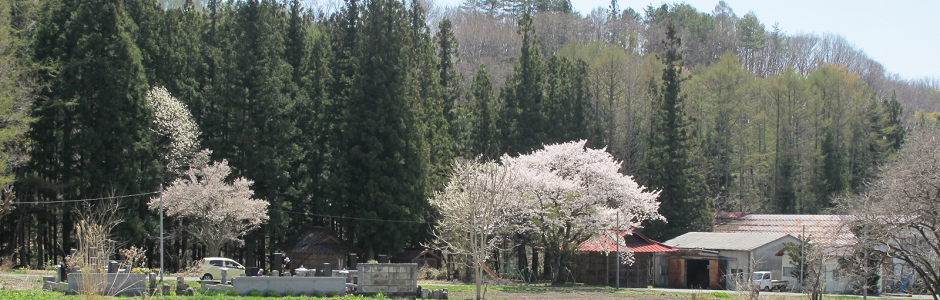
x: 762, y: 281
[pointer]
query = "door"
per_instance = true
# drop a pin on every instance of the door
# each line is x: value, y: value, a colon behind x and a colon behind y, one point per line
x: 676, y: 273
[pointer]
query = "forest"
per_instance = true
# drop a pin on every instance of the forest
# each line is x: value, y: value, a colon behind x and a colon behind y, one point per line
x: 350, y: 115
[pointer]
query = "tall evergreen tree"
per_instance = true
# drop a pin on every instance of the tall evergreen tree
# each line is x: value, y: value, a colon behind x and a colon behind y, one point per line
x: 669, y: 164
x: 447, y: 56
x: 523, y: 122
x: 483, y: 118
x: 92, y: 136
x: 436, y: 100
x: 379, y: 166
x: 568, y: 108
x: 831, y: 174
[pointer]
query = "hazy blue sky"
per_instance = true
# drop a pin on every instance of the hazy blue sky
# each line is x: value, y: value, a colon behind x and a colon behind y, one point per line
x: 904, y: 36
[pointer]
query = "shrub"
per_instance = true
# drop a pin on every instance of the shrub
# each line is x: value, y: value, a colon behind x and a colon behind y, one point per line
x: 318, y: 294
x: 271, y: 294
x: 255, y: 293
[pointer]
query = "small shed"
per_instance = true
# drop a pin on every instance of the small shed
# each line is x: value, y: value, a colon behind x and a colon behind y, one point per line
x: 711, y: 259
x: 314, y: 246
x: 424, y: 257
x: 596, y: 261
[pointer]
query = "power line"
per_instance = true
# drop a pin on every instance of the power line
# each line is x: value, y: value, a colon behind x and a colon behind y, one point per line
x: 351, y: 218
x: 84, y: 200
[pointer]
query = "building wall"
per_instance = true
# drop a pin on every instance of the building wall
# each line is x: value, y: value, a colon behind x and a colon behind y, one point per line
x: 316, y: 261
x: 596, y: 268
x: 660, y: 276
x: 763, y: 258
x: 833, y: 280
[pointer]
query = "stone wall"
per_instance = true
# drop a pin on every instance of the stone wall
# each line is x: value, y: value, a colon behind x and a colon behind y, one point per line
x: 126, y: 284
x: 295, y: 285
x: 397, y: 280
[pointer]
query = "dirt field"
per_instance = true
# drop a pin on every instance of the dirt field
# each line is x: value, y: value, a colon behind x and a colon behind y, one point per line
x: 575, y: 295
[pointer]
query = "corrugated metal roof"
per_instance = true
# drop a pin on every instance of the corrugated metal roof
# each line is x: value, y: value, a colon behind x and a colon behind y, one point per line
x: 826, y: 230
x: 743, y: 241
x: 636, y: 242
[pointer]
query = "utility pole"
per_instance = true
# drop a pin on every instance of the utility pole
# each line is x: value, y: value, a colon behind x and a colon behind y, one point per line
x: 617, y: 240
x: 161, y: 232
x: 802, y: 255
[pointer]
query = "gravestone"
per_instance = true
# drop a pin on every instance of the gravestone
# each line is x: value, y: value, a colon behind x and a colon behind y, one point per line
x: 352, y: 261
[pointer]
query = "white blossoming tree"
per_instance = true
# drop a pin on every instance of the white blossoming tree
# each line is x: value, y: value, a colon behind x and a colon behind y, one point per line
x: 570, y: 193
x: 215, y: 211
x: 475, y: 210
x: 177, y: 132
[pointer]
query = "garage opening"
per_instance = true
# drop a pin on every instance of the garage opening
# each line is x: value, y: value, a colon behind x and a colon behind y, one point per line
x: 696, y: 272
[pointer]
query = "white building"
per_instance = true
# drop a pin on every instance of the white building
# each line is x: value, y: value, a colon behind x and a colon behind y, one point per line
x: 711, y: 259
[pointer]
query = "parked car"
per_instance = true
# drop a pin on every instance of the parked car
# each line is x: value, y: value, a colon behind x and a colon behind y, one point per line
x: 211, y: 268
x: 763, y: 281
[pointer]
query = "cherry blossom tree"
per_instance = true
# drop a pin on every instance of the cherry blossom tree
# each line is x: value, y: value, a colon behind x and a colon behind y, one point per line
x: 215, y: 211
x: 475, y: 210
x: 176, y: 131
x: 570, y: 193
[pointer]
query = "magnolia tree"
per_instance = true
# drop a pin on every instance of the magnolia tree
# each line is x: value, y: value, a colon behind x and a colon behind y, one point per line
x: 898, y: 215
x: 214, y: 211
x: 174, y: 125
x: 476, y: 209
x: 569, y: 193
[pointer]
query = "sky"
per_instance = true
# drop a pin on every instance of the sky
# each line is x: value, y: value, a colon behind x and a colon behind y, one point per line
x: 904, y: 36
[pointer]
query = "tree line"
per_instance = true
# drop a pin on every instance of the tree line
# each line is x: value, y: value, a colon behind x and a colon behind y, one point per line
x: 351, y: 117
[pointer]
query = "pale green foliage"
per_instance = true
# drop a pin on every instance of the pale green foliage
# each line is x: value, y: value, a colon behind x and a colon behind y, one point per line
x: 15, y: 95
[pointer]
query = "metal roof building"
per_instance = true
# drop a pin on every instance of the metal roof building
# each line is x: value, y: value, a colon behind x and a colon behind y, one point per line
x: 740, y: 241
x: 710, y: 259
x: 829, y: 231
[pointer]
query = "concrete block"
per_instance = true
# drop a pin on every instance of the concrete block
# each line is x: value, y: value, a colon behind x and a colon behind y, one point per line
x: 295, y: 285
x: 126, y: 284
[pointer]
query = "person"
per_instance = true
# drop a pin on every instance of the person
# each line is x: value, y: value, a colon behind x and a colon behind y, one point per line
x: 287, y: 266
x: 260, y: 272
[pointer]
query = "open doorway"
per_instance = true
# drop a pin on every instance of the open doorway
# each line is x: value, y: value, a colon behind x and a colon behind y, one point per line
x: 696, y: 272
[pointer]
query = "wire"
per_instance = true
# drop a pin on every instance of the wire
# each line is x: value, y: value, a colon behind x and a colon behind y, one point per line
x: 83, y: 200
x: 351, y: 218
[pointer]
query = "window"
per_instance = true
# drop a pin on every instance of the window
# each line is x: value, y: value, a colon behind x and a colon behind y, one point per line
x: 835, y: 274
x: 217, y: 263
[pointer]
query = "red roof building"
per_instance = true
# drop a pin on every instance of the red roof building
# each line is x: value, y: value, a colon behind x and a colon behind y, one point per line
x: 596, y: 264
x: 636, y: 242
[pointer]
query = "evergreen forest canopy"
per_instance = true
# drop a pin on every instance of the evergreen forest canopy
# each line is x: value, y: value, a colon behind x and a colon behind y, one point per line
x: 351, y: 116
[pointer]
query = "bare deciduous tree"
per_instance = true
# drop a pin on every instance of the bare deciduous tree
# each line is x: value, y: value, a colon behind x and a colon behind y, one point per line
x: 215, y: 211
x: 898, y: 214
x: 475, y: 209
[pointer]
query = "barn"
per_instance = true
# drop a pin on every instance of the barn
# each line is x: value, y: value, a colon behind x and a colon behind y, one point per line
x: 596, y: 261
x: 712, y: 259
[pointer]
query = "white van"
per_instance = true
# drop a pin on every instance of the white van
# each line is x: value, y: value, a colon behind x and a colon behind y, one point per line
x: 211, y: 268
